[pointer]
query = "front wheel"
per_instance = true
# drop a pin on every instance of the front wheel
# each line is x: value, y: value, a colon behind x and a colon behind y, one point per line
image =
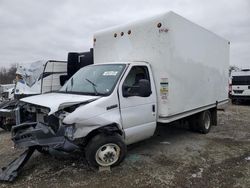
x: 105, y: 150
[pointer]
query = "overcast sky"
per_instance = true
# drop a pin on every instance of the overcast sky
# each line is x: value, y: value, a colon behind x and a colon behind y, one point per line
x: 47, y: 29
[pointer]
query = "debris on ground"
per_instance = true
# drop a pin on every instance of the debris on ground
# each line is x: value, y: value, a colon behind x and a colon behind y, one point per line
x: 10, y: 172
x: 165, y: 143
x: 248, y: 158
x: 198, y: 174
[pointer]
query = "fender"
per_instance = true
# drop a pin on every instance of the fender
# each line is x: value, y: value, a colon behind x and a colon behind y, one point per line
x: 107, y: 129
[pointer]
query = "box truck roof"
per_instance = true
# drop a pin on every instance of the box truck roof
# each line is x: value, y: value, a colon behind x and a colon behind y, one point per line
x: 156, y: 19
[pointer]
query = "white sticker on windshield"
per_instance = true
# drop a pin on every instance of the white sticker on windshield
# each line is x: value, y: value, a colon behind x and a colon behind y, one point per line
x: 110, y: 73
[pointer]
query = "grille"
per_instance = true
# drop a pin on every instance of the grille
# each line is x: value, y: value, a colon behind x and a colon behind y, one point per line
x: 238, y: 91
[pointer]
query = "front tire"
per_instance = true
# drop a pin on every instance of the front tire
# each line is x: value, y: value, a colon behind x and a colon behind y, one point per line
x: 106, y: 150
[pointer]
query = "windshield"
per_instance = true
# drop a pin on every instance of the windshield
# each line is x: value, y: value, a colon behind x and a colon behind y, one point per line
x: 241, y: 80
x: 94, y: 80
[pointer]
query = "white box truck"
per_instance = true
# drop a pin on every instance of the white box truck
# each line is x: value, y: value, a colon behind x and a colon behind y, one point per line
x: 240, y: 85
x: 160, y: 69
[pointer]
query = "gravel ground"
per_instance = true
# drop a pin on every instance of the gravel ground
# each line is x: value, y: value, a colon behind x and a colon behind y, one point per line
x: 174, y: 157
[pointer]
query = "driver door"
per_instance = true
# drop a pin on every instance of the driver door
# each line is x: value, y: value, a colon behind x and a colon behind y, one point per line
x: 138, y: 113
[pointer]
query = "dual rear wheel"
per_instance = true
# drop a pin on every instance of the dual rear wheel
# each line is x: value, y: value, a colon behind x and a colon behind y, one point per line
x: 201, y: 122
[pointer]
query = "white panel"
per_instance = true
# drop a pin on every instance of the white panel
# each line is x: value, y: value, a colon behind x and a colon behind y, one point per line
x: 192, y: 60
x: 137, y: 133
x: 137, y: 112
x: 60, y: 67
x: 49, y: 66
x: 52, y: 82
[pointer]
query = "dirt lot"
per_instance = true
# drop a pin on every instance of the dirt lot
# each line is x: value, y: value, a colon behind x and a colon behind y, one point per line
x: 174, y: 157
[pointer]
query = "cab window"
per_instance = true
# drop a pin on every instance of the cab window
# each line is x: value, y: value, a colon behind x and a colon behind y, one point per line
x: 131, y: 83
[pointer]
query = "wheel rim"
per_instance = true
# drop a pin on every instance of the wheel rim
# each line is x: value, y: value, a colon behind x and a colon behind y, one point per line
x: 207, y: 121
x: 107, y: 154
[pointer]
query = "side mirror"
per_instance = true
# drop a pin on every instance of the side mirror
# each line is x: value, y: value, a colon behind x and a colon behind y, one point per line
x: 144, y: 88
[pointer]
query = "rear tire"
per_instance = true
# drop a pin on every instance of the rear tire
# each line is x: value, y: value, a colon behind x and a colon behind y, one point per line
x: 205, y: 122
x: 106, y: 150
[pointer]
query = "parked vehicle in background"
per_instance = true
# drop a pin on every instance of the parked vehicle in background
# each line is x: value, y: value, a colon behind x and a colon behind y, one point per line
x: 240, y: 86
x: 6, y: 92
x: 31, y: 79
x: 41, y: 77
x: 157, y: 70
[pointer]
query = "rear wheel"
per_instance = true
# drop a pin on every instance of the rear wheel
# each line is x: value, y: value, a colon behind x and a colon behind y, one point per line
x: 105, y: 150
x: 205, y: 122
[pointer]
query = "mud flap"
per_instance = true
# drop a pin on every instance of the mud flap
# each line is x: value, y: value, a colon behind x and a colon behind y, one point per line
x: 10, y: 172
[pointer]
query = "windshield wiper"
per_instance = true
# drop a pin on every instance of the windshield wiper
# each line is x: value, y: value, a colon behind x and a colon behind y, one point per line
x: 93, y: 84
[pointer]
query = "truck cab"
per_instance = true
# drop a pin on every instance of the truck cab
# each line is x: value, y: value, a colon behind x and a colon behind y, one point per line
x: 240, y: 85
x: 119, y: 98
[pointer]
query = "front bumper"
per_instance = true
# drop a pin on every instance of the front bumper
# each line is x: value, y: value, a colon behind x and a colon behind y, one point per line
x: 38, y: 134
x: 240, y: 97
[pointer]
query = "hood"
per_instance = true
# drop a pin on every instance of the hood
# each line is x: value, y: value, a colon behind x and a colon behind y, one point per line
x: 54, y: 101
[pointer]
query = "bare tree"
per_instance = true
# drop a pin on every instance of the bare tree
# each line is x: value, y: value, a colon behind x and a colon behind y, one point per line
x: 7, y: 75
x: 233, y: 68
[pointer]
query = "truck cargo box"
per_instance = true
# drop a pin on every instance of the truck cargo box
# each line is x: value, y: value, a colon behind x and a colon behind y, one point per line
x: 189, y: 63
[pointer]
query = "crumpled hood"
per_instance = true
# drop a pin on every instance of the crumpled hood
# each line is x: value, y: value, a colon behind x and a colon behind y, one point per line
x: 54, y: 100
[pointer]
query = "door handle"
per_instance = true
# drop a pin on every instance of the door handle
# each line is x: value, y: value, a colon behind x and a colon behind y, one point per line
x: 153, y: 108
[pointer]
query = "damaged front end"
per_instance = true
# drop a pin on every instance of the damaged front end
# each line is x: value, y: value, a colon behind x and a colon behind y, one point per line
x: 36, y: 128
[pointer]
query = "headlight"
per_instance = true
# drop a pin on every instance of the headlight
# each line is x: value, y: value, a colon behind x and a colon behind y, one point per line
x: 68, y: 107
x: 61, y: 114
x: 69, y: 132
